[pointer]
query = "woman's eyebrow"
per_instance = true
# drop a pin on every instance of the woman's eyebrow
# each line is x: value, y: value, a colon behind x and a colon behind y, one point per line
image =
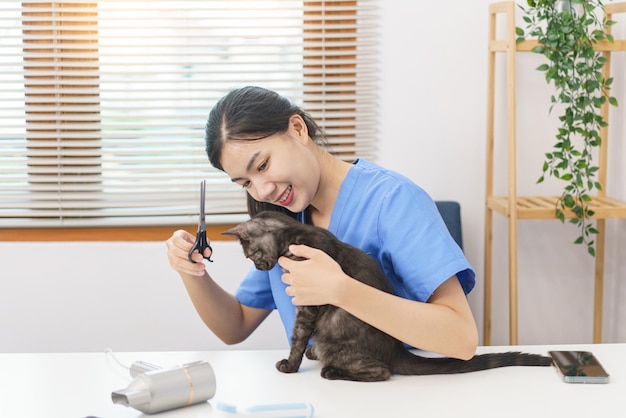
x: 248, y: 167
x: 251, y: 162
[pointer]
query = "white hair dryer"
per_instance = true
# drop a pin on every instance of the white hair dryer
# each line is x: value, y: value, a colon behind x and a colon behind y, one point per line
x: 155, y: 389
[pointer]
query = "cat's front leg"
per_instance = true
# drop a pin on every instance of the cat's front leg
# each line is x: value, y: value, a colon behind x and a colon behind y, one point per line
x: 304, y: 326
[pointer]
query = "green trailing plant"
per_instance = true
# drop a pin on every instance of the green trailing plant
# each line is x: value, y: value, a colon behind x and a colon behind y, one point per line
x: 567, y: 32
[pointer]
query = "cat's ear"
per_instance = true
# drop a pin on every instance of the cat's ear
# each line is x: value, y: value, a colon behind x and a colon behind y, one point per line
x: 240, y: 231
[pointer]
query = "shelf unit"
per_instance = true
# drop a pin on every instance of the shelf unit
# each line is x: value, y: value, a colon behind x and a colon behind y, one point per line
x: 515, y: 207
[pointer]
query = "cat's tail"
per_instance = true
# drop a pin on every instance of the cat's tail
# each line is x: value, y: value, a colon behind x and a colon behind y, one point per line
x: 411, y: 364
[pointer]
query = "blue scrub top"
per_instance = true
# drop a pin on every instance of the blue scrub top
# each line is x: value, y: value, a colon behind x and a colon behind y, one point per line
x: 392, y: 219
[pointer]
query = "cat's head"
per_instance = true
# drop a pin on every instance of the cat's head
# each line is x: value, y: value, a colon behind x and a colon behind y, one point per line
x: 259, y: 238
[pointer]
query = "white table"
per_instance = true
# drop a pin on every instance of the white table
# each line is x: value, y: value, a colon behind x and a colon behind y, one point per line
x: 77, y: 385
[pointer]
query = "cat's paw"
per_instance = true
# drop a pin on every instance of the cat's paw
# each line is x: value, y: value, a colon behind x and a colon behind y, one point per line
x: 332, y: 373
x: 310, y: 354
x: 285, y: 367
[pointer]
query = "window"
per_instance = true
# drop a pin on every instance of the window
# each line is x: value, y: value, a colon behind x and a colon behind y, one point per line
x: 103, y: 104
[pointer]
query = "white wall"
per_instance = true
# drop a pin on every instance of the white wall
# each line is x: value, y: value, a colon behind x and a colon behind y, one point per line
x: 433, y: 99
x: 89, y: 296
x: 69, y: 296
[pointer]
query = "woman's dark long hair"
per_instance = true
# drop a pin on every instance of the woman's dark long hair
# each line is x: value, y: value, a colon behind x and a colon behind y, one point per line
x: 249, y: 114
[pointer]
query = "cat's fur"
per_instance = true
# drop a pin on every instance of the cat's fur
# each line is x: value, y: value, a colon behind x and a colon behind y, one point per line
x: 349, y: 348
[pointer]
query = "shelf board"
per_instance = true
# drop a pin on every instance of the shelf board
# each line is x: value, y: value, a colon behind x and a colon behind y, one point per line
x: 527, y: 45
x: 543, y: 207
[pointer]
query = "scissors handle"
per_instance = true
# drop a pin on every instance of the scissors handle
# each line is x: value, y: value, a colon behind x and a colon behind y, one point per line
x: 200, y: 244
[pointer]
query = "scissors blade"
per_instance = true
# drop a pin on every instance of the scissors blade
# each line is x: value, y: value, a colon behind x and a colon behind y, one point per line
x: 201, y: 240
x: 202, y: 215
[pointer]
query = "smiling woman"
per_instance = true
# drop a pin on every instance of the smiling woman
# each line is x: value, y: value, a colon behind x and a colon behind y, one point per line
x: 104, y: 104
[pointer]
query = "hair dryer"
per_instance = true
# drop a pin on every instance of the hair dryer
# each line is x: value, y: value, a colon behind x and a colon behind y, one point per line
x: 156, y: 389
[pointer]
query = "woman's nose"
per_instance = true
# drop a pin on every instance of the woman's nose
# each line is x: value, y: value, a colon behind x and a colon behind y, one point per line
x: 264, y: 191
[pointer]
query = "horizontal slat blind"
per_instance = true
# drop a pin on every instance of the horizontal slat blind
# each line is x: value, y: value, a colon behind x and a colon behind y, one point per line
x: 103, y: 104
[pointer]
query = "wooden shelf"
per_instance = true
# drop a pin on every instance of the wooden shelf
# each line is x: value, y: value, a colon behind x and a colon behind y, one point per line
x: 526, y: 46
x: 543, y: 207
x: 514, y: 207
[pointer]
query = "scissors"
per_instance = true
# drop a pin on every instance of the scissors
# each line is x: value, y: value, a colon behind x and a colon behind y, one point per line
x: 201, y: 243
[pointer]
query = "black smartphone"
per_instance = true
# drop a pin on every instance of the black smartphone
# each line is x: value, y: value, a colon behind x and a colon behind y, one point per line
x: 579, y: 367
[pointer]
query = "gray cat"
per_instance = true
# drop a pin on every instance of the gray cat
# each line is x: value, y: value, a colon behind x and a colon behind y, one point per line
x: 348, y: 348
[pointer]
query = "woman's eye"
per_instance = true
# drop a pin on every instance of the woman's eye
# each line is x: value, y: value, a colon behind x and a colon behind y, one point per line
x: 245, y: 184
x: 263, y: 165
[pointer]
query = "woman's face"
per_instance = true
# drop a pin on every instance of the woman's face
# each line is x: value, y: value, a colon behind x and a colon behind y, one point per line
x: 281, y: 169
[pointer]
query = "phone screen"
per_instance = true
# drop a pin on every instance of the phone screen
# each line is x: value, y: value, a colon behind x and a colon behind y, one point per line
x: 579, y: 367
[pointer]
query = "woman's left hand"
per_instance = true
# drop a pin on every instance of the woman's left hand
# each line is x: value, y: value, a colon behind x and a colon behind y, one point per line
x: 317, y: 280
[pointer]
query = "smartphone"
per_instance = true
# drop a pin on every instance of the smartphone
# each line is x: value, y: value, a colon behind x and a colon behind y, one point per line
x: 579, y: 367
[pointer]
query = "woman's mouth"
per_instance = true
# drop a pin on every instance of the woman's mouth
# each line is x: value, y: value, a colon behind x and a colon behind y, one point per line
x: 286, y: 198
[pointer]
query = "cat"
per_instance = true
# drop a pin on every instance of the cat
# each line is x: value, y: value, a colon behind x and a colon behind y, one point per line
x: 348, y: 348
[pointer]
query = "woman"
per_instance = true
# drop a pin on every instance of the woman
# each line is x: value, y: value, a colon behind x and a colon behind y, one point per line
x: 268, y: 145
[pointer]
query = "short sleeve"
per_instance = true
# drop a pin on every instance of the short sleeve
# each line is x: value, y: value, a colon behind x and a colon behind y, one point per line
x: 255, y: 290
x: 417, y: 248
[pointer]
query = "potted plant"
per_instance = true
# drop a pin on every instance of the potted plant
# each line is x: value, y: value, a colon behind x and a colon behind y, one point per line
x: 566, y: 32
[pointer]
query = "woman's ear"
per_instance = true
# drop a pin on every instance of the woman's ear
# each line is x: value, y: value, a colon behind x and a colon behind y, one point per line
x: 298, y: 127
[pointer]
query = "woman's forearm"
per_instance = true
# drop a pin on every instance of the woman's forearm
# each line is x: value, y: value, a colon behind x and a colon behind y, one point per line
x: 221, y: 311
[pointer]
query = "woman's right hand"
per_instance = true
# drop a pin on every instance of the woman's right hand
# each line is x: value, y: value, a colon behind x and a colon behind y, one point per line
x: 178, y: 246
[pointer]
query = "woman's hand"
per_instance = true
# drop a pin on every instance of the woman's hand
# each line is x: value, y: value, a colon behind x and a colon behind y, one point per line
x: 317, y: 280
x: 178, y: 246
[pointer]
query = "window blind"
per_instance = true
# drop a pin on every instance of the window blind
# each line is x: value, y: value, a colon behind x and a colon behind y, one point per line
x: 103, y: 104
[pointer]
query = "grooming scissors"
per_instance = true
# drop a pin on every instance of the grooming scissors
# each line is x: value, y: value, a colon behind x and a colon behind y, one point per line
x: 201, y: 242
